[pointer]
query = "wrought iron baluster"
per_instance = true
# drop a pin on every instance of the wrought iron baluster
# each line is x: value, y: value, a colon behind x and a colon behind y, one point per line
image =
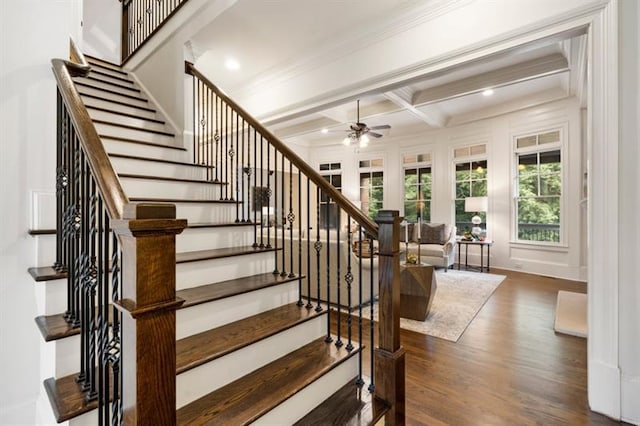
x: 232, y: 154
x: 275, y: 214
x: 318, y: 247
x: 282, y: 212
x: 338, y: 276
x: 328, y: 339
x: 348, y: 278
x: 372, y: 386
x: 91, y: 283
x: 83, y: 260
x: 291, y: 217
x: 115, y: 349
x: 360, y: 380
x: 308, y: 274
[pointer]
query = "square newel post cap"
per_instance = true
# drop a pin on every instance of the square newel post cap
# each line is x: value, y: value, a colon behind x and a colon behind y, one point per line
x: 149, y: 218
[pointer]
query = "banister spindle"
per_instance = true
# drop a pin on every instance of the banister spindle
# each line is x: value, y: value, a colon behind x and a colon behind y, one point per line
x: 283, y: 272
x: 328, y: 339
x: 339, y: 342
x: 318, y: 247
x: 348, y: 278
x: 360, y: 380
x: 308, y: 271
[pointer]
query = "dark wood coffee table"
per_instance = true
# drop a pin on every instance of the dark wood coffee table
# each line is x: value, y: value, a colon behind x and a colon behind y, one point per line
x: 417, y: 289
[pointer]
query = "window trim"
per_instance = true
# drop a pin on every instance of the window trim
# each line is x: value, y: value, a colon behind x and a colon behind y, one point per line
x: 561, y: 145
x: 371, y: 169
x: 330, y: 172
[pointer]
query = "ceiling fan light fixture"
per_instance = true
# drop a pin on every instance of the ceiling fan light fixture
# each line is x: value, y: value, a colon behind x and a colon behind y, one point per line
x: 346, y: 141
x: 364, y: 141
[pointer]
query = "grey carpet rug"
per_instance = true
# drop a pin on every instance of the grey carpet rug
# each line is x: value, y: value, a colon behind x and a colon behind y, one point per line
x: 459, y: 297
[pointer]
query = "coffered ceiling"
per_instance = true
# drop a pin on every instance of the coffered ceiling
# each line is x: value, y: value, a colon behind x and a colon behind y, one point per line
x: 276, y: 40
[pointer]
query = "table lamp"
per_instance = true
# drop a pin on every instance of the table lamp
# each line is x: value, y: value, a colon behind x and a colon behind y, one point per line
x: 476, y: 205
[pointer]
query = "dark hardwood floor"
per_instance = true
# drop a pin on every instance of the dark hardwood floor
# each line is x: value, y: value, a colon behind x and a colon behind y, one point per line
x: 508, y: 368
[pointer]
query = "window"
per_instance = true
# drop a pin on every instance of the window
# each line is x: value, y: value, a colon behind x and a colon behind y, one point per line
x: 332, y: 173
x: 538, y: 187
x: 371, y: 186
x: 470, y: 181
x: 417, y: 187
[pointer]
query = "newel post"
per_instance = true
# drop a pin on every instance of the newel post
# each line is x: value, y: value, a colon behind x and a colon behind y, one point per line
x: 147, y: 235
x: 389, y: 355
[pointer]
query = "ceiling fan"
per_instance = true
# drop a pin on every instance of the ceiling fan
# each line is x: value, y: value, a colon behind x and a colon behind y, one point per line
x: 360, y: 132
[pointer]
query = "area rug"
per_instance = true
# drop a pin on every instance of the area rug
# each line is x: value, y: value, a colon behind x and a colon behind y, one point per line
x: 571, y: 313
x: 459, y: 297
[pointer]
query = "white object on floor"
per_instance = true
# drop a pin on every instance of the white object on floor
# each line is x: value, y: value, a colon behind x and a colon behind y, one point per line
x: 571, y: 313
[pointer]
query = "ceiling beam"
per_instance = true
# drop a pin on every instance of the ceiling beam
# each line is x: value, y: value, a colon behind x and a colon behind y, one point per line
x: 402, y: 97
x: 524, y: 71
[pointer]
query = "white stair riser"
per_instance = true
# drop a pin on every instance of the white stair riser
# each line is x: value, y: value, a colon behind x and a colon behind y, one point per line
x: 59, y: 358
x: 296, y: 407
x: 199, y: 318
x: 150, y: 151
x: 106, y: 95
x: 46, y: 249
x: 205, y: 212
x: 126, y: 120
x: 192, y: 274
x: 212, y: 238
x: 155, y: 168
x: 86, y: 419
x: 116, y: 79
x: 199, y: 381
x: 99, y: 103
x: 51, y: 297
x: 138, y: 135
x: 120, y: 88
x: 135, y: 187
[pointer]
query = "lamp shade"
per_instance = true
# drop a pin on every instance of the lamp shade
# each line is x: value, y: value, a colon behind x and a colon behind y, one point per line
x: 475, y: 204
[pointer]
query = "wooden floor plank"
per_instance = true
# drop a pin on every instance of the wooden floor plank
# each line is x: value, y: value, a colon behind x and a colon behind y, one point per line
x: 204, y: 347
x: 245, y: 400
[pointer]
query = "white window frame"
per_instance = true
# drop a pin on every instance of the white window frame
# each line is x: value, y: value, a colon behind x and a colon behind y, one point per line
x: 415, y: 166
x: 562, y: 146
x: 330, y: 172
x: 467, y: 159
x: 372, y: 169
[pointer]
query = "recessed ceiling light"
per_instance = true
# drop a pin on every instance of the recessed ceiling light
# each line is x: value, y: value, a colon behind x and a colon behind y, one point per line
x: 487, y: 92
x: 324, y: 131
x: 231, y: 64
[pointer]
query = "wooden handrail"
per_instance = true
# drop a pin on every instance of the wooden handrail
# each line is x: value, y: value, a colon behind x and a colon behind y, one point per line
x: 355, y: 213
x: 104, y: 175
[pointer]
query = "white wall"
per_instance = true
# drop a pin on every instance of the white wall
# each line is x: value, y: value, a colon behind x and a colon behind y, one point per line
x: 629, y: 196
x: 101, y: 21
x: 33, y: 32
x: 497, y: 132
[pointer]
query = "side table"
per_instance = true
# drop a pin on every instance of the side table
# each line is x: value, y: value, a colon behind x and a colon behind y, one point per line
x: 417, y: 288
x: 482, y: 245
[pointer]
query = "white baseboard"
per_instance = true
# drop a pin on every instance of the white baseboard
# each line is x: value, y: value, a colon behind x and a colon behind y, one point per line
x: 630, y: 404
x: 604, y: 388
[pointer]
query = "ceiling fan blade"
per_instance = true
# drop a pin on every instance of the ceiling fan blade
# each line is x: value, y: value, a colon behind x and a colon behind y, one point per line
x: 374, y: 134
x: 382, y: 127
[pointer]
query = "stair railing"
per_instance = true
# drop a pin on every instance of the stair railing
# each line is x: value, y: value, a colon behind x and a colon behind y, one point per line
x: 319, y: 237
x: 120, y: 263
x: 141, y: 19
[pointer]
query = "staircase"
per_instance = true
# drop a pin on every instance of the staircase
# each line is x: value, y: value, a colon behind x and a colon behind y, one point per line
x: 249, y: 349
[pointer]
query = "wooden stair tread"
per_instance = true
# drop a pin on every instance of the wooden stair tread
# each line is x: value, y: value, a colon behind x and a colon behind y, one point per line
x: 54, y: 327
x: 124, y: 114
x: 99, y: 72
x: 210, y: 292
x: 169, y: 179
x: 103, y: 63
x: 67, y: 399
x: 112, y: 83
x: 42, y: 231
x: 204, y: 347
x: 160, y: 160
x: 113, y: 92
x: 46, y: 273
x: 115, y: 101
x: 139, y: 142
x: 248, y: 398
x: 137, y: 128
x: 194, y: 256
x: 194, y: 225
x: 181, y: 200
x: 349, y: 406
